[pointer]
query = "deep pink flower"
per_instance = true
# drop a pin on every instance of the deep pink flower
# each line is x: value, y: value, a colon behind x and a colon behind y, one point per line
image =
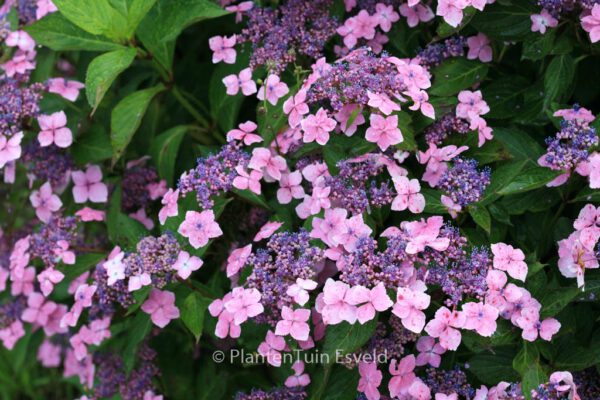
x: 237, y: 259
x: 317, y: 127
x: 540, y: 22
x: 67, y: 89
x: 480, y: 317
x: 384, y: 131
x: 161, y: 307
x: 225, y: 324
x: 244, y: 304
x: 54, y: 130
x: 169, y: 208
x: 429, y: 352
x: 45, y: 202
x: 403, y: 376
x: 295, y: 107
x: 370, y: 379
x: 444, y: 325
x: 186, y: 264
x: 479, y: 48
x: 89, y: 186
x: 245, y: 133
x: 234, y: 83
x: 199, y: 227
x: 272, y: 89
x: 408, y: 196
x: 368, y: 301
x: 222, y: 48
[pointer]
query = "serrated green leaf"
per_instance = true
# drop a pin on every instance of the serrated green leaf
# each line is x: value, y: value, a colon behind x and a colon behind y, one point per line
x: 97, y: 17
x: 192, y: 313
x: 102, y: 72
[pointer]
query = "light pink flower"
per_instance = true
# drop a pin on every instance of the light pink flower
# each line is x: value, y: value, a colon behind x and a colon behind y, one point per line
x: 452, y: 207
x: 329, y: 228
x: 429, y: 352
x: 88, y: 214
x: 23, y: 284
x: 89, y: 186
x: 368, y: 301
x: 271, y: 348
x: 225, y: 324
x: 169, y: 208
x: 20, y: 39
x: 114, y: 266
x: 272, y: 89
x: 199, y: 227
x: 142, y: 218
x: 245, y: 180
x: 38, y: 309
x: 67, y: 89
x: 540, y: 22
x: 48, y: 278
x: 408, y: 196
x: 575, y: 258
x: 19, y: 64
x: 444, y: 326
x: 336, y: 305
x: 161, y: 307
x: 299, y: 290
x: 157, y: 189
x: 270, y: 164
x: 299, y: 379
x: 45, y: 202
x: 509, y: 259
x: 317, y: 127
x: 403, y: 376
x: 54, y: 130
x: 44, y: 7
x: 244, y: 304
x: 386, y: 16
x: 419, y: 390
x: 295, y: 107
x: 480, y: 317
x: 415, y: 14
x: 353, y: 229
x: 382, y: 102
x: 245, y: 133
x: 11, y: 334
x: 48, y: 354
x: 425, y: 233
x: 222, y: 48
x: 452, y: 11
x: 479, y: 48
x: 234, y: 83
x: 421, y: 102
x: 529, y: 321
x: 578, y: 114
x: 294, y: 323
x: 10, y: 149
x: 384, y: 131
x: 591, y: 23
x: 267, y: 230
x: 136, y: 282
x: 443, y: 396
x: 471, y: 105
x: 186, y: 264
x: 290, y: 186
x: 240, y: 9
x: 237, y: 260
x: 345, y: 114
x: 409, y: 305
x: 370, y: 379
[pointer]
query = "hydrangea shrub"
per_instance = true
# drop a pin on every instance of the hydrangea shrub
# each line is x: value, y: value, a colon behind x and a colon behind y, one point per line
x: 296, y: 199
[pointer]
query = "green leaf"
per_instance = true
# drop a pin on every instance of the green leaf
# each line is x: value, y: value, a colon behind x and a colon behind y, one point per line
x: 519, y: 143
x: 481, y: 216
x: 527, y: 356
x: 538, y: 46
x: 335, y: 382
x: 192, y: 313
x: 92, y: 147
x: 532, y: 379
x: 587, y: 195
x: 97, y: 17
x: 56, y: 32
x: 138, y: 330
x: 167, y: 19
x: 530, y: 178
x: 343, y: 338
x: 102, y: 72
x: 83, y: 263
x: 134, y: 11
x: 504, y: 22
x: 164, y: 151
x: 505, y: 96
x: 127, y: 117
x: 554, y: 301
x: 558, y: 78
x: 457, y: 74
x: 501, y: 177
x: 493, y: 368
x: 122, y: 230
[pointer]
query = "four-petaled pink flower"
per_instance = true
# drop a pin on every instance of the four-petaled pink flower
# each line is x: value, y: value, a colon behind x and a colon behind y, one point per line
x: 45, y: 202
x: 38, y: 309
x: 403, y: 376
x: 54, y: 130
x: 471, y: 105
x: 186, y: 264
x: 89, y: 186
x: 347, y: 113
x: 199, y: 227
x: 415, y: 14
x: 11, y: 334
x: 267, y: 230
x: 336, y: 305
x: 425, y: 234
x: 271, y: 348
x: 114, y: 266
x: 480, y: 317
x: 161, y: 307
x: 408, y: 196
x: 169, y: 208
x: 317, y: 127
x: 529, y: 321
x: 369, y: 301
x: 452, y: 11
x: 245, y: 133
x: 234, y: 83
x: 290, y: 186
x: 295, y: 106
x: 272, y: 89
x: 591, y: 23
x: 67, y: 89
x: 384, y: 131
x: 222, y: 48
x: 370, y: 379
x: 19, y: 64
x: 386, y: 16
x: 237, y: 259
x: 299, y: 290
x: 48, y: 278
x: 244, y: 304
x: 245, y: 180
x: 88, y: 214
x: 294, y: 323
x: 509, y: 259
x: 540, y: 22
x: 270, y: 164
x: 225, y: 324
x: 382, y: 102
x: 429, y: 352
x: 479, y: 48
x: 239, y: 9
x: 299, y: 379
x: 10, y: 148
x: 443, y: 396
x: 444, y: 326
x: 20, y: 39
x: 44, y: 7
x: 410, y: 301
